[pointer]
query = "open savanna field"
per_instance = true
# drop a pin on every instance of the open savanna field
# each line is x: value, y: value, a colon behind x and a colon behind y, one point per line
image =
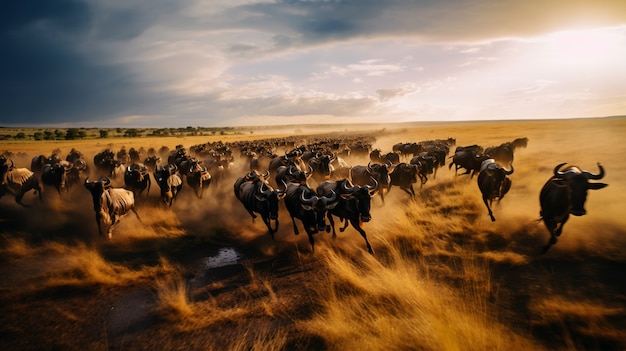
x: 202, y: 275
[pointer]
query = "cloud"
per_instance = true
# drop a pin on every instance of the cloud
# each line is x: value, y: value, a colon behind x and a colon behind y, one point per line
x: 76, y: 61
x: 390, y: 93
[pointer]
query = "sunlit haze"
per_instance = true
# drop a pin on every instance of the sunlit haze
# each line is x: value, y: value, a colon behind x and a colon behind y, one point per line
x: 253, y: 62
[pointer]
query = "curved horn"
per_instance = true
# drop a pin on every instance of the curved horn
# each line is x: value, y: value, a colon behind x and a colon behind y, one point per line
x: 345, y: 187
x: 87, y: 180
x: 509, y: 172
x: 556, y: 169
x: 371, y: 188
x: 310, y: 201
x: 592, y: 176
x: 12, y: 165
x: 331, y: 199
x: 266, y: 174
x: 369, y: 169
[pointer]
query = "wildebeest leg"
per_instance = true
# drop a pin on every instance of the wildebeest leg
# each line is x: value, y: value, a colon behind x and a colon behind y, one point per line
x: 136, y: 214
x: 251, y: 212
x: 410, y: 191
x: 310, y: 234
x: 98, y: 222
x: 345, y: 225
x: 268, y: 224
x: 332, y: 224
x: 295, y: 227
x: 357, y: 225
x: 487, y: 202
x: 551, y: 242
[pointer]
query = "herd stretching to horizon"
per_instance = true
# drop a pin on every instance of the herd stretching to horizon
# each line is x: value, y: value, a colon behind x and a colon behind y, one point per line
x: 265, y: 172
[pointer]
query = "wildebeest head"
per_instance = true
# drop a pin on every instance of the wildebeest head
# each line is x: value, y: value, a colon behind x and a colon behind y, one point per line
x: 577, y: 182
x: 361, y: 196
x: 380, y: 172
x: 270, y: 197
x: 317, y: 206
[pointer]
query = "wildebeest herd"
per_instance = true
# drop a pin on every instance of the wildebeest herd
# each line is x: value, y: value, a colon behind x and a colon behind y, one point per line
x: 323, y: 179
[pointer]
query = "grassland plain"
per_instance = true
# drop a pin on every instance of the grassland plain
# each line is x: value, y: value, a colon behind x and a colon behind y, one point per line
x: 443, y: 277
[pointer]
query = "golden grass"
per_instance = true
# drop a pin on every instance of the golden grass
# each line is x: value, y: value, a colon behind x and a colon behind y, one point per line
x: 431, y: 284
x: 371, y: 305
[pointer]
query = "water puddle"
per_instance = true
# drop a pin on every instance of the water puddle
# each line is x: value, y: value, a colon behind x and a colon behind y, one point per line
x: 227, y: 256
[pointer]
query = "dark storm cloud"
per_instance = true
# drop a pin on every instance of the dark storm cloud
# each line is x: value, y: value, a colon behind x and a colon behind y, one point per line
x: 75, y: 61
x: 51, y: 71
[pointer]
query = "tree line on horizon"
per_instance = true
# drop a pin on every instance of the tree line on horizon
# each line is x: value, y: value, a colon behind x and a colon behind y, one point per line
x: 102, y: 133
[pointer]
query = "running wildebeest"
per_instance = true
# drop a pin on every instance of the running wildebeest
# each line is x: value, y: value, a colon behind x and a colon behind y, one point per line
x: 110, y: 204
x: 353, y: 205
x: 493, y: 183
x: 258, y: 196
x: 563, y: 194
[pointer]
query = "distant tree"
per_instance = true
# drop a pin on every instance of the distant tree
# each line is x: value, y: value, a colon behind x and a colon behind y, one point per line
x: 131, y: 133
x: 72, y: 134
x: 118, y: 130
x: 104, y: 133
x: 38, y: 135
x: 59, y: 134
x: 82, y: 134
x: 48, y: 135
x: 20, y: 135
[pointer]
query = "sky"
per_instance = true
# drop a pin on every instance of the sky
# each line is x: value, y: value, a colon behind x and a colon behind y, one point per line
x: 211, y: 63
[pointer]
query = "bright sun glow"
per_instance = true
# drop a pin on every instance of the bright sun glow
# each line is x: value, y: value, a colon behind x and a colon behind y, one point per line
x: 589, y: 47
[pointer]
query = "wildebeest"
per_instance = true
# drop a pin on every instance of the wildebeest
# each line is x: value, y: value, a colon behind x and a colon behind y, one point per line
x: 376, y: 156
x: 110, y: 204
x: 169, y: 182
x: 56, y: 175
x: 106, y: 163
x: 137, y: 179
x: 425, y: 166
x: 468, y: 158
x: 503, y: 154
x: 258, y: 196
x: 321, y: 166
x: 493, y: 183
x: 363, y: 175
x: 304, y: 204
x: 199, y: 178
x: 17, y: 181
x: 404, y: 176
x: 563, y: 194
x: 353, y: 204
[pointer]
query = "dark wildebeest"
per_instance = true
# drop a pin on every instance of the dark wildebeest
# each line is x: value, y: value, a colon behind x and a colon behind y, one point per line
x: 493, y: 183
x: 353, y: 204
x: 404, y: 176
x: 425, y: 164
x: 137, y: 179
x: 363, y: 175
x: 258, y: 196
x: 563, y: 194
x: 468, y: 158
x: 199, y: 178
x: 304, y: 204
x: 110, y: 204
x: 152, y: 162
x: 291, y: 174
x: 169, y: 182
x: 56, y: 175
x: 377, y: 157
x: 106, y: 163
x: 17, y: 181
x: 321, y: 166
x: 503, y: 154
